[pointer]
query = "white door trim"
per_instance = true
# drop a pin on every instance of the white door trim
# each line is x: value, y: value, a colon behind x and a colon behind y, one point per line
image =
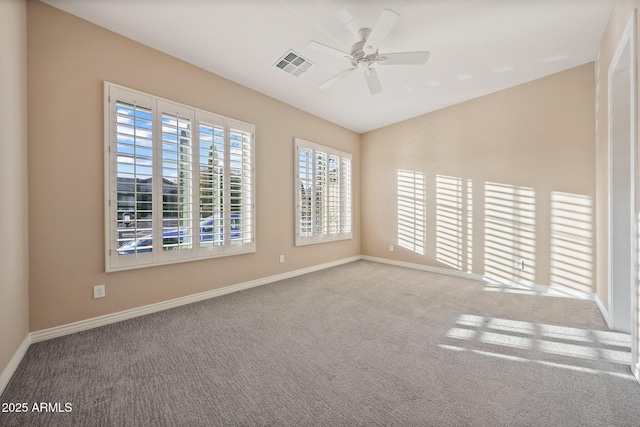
x: 627, y: 41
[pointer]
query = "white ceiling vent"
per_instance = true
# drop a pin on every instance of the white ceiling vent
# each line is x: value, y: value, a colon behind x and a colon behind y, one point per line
x: 293, y: 63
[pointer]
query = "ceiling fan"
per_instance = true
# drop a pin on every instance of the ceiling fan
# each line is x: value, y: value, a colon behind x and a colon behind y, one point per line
x: 364, y: 53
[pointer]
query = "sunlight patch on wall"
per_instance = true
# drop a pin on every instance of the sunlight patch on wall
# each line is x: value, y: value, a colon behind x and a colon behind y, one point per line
x: 411, y: 210
x: 454, y: 222
x: 509, y: 232
x: 571, y: 241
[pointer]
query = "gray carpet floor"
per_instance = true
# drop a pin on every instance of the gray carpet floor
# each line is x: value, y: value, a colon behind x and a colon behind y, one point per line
x: 362, y: 344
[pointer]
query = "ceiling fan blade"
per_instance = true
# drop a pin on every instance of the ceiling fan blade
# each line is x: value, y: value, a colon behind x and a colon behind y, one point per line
x: 337, y: 77
x: 386, y: 22
x: 404, y: 58
x: 328, y: 50
x: 373, y: 81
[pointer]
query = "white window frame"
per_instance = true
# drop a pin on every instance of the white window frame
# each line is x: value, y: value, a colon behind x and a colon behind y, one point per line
x: 231, y: 243
x: 340, y: 205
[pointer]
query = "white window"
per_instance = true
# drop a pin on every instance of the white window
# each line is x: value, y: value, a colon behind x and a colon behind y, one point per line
x: 177, y: 172
x: 323, y: 193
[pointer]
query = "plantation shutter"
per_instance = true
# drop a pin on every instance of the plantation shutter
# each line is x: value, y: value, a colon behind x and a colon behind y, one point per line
x: 323, y: 193
x: 333, y: 198
x: 179, y: 182
x: 130, y: 133
x: 212, y: 181
x: 175, y: 182
x: 304, y: 192
x: 241, y: 187
x: 320, y: 212
x: 345, y: 193
x: 226, y: 188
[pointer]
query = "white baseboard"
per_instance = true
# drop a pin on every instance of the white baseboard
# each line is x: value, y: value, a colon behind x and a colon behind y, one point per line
x: 83, y: 325
x: 10, y: 369
x: 493, y: 283
x: 602, y: 309
x: 461, y: 274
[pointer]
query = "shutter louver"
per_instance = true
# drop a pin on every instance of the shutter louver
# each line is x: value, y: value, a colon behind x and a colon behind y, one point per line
x: 305, y: 192
x: 345, y: 192
x: 320, y: 213
x: 177, y: 183
x: 134, y: 178
x: 241, y: 187
x: 333, y: 205
x: 212, y: 184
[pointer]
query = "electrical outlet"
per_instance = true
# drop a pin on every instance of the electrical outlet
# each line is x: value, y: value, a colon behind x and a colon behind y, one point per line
x: 390, y: 248
x: 99, y: 291
x: 281, y: 259
x: 519, y: 264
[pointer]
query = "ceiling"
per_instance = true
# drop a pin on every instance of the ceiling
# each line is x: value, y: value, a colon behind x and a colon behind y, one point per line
x: 477, y: 46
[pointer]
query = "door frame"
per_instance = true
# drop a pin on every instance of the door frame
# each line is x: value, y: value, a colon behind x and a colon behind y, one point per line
x: 628, y: 40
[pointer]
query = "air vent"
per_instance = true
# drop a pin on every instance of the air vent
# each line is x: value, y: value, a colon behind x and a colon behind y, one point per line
x: 293, y: 63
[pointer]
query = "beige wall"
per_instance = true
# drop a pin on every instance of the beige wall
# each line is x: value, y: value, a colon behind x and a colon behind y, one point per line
x: 507, y: 176
x: 14, y: 255
x: 622, y: 11
x: 68, y: 61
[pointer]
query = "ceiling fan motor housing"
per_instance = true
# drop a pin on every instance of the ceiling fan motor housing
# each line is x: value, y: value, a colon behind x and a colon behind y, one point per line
x: 357, y: 52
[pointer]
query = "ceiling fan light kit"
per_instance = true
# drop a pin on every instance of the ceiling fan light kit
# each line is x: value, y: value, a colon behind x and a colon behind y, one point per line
x: 387, y: 20
x: 364, y: 53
